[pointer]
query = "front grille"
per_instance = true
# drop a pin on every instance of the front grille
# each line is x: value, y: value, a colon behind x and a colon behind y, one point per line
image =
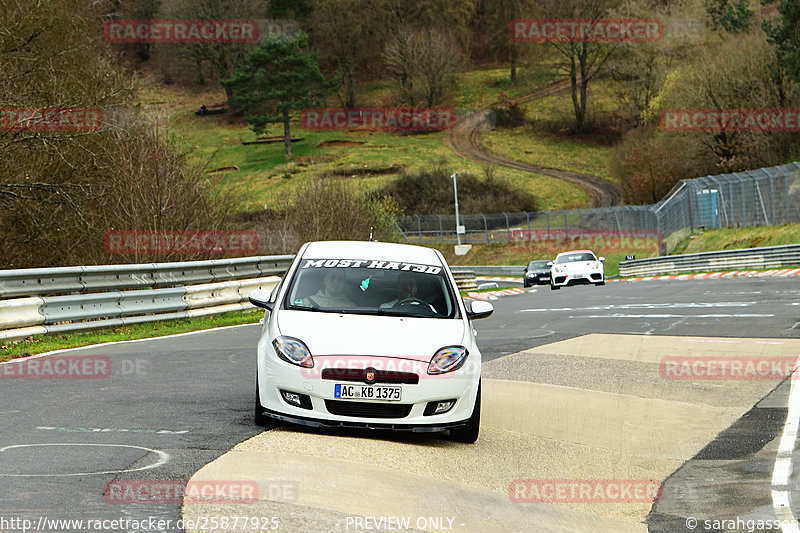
x: 368, y: 410
x: 381, y: 376
x: 596, y: 276
x: 560, y: 279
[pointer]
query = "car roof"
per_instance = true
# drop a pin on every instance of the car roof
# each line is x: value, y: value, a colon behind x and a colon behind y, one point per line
x: 387, y: 251
x: 577, y: 252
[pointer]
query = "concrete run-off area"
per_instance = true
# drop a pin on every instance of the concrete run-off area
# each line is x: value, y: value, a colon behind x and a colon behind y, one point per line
x: 611, y: 416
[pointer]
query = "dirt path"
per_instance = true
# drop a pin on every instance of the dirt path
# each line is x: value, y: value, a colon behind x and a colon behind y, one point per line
x: 465, y: 140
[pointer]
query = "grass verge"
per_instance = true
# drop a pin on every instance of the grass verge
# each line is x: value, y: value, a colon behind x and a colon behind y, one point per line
x: 732, y: 239
x: 47, y: 343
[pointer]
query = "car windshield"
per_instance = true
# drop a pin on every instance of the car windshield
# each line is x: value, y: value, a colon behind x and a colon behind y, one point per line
x: 571, y: 258
x: 537, y: 265
x: 371, y: 287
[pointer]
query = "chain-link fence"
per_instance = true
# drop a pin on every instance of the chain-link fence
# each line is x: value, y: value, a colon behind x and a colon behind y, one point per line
x: 764, y: 197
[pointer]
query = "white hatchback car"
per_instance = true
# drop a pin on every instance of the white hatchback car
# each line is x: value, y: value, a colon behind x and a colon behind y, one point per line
x: 576, y: 267
x: 369, y: 334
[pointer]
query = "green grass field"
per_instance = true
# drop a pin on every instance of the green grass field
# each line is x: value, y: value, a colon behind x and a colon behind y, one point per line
x: 732, y: 239
x: 265, y: 178
x: 533, y: 144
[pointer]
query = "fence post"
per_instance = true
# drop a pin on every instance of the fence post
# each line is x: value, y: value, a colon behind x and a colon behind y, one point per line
x: 529, y: 225
x: 441, y: 230
x: 419, y: 228
x: 485, y: 227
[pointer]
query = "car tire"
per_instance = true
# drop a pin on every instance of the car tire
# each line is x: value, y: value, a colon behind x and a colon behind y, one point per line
x: 469, y: 433
x: 525, y: 284
x: 600, y: 283
x: 554, y: 288
x: 260, y: 418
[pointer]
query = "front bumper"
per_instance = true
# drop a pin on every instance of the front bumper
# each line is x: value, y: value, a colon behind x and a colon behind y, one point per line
x: 320, y: 406
x: 321, y: 423
x: 538, y: 279
x: 563, y: 280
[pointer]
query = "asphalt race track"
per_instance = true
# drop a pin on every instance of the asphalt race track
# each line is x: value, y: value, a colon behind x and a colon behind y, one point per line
x: 579, y: 368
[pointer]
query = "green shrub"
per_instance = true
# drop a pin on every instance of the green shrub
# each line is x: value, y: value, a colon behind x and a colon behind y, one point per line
x: 430, y: 191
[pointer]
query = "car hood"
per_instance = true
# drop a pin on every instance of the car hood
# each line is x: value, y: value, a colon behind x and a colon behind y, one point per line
x: 576, y: 266
x: 350, y: 334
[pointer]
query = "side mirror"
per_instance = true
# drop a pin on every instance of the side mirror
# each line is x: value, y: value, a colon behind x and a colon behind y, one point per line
x: 549, y: 263
x: 260, y: 298
x: 479, y: 309
x: 602, y: 258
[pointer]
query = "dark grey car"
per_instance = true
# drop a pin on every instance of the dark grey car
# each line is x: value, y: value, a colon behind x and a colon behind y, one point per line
x: 537, y: 273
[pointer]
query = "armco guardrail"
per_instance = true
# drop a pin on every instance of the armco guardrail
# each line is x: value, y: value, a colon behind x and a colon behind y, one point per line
x: 39, y: 281
x: 38, y: 301
x: 747, y: 258
x: 66, y: 299
x: 465, y: 280
x: 491, y: 270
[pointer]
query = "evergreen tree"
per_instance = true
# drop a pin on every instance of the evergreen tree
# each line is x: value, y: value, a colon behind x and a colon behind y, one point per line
x: 280, y: 76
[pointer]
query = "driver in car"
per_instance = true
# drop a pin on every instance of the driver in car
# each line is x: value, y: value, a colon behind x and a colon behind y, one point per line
x: 332, y: 293
x: 406, y: 293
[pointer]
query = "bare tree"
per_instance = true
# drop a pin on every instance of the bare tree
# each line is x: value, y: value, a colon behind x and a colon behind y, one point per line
x: 725, y: 78
x: 641, y: 68
x: 350, y: 34
x: 427, y: 63
x: 581, y: 60
x: 207, y: 61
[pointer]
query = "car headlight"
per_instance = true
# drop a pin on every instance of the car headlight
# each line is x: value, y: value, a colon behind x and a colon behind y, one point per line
x: 293, y: 351
x: 596, y: 266
x: 557, y: 270
x: 448, y: 359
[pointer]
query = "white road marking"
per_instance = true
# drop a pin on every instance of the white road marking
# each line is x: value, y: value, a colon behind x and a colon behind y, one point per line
x: 718, y: 315
x: 783, y: 461
x: 163, y: 457
x: 678, y: 305
x: 113, y: 430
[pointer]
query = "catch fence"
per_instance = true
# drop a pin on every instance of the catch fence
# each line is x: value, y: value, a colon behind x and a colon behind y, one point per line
x: 763, y: 197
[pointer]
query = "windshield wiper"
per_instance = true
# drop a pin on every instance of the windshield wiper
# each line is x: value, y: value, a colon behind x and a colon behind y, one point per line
x: 305, y: 307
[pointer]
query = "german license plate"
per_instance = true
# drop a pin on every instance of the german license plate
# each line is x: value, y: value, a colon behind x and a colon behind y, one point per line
x: 367, y: 392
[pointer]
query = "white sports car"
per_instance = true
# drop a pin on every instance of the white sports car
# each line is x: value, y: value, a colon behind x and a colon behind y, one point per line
x: 576, y: 267
x: 369, y: 334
